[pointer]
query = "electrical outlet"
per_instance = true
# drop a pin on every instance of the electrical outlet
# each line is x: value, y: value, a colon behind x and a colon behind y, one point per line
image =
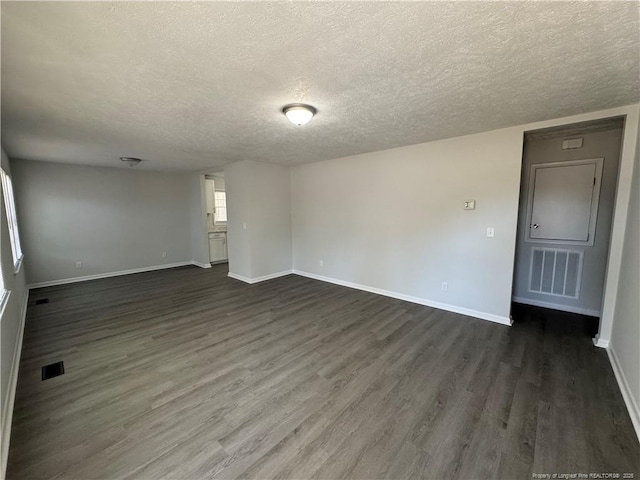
x: 321, y: 263
x: 444, y: 286
x: 78, y: 264
x: 164, y: 254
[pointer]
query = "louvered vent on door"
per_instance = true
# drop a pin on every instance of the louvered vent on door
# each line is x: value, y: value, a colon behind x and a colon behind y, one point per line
x: 556, y: 272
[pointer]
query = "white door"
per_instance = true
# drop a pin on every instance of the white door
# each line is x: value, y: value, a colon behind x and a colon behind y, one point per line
x: 563, y: 202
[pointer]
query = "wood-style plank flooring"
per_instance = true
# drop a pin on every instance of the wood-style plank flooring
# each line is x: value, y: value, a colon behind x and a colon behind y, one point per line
x: 187, y: 374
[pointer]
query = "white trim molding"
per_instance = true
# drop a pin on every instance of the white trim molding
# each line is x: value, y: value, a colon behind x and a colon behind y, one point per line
x: 10, y: 395
x: 97, y: 276
x: 201, y: 265
x: 242, y: 278
x: 18, y: 265
x: 408, y: 298
x: 556, y: 306
x: 620, y: 215
x: 598, y: 342
x: 4, y: 300
x: 263, y: 278
x: 630, y: 402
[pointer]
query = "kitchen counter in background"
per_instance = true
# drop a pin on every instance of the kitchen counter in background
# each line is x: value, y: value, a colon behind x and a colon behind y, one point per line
x: 218, y: 244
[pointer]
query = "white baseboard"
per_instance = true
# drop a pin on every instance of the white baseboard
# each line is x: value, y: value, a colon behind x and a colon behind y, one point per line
x: 10, y: 395
x: 400, y: 296
x: 271, y: 276
x: 555, y: 306
x: 599, y: 342
x: 201, y: 265
x: 629, y: 400
x: 242, y: 278
x: 97, y: 276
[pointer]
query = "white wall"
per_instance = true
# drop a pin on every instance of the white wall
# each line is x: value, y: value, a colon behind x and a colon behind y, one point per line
x: 239, y: 183
x: 394, y: 220
x: 258, y: 197
x: 625, y: 335
x: 110, y: 219
x: 11, y: 323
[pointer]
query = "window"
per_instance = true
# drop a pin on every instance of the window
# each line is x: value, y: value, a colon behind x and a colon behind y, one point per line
x: 220, y: 199
x: 7, y: 190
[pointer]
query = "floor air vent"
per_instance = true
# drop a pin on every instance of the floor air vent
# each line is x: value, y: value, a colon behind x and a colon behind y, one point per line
x: 52, y: 370
x: 556, y: 272
x: 42, y: 301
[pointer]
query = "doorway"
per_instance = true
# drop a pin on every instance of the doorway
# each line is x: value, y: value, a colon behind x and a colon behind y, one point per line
x: 567, y: 195
x: 216, y: 215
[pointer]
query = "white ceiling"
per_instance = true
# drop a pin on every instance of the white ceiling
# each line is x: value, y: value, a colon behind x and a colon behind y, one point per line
x: 198, y: 85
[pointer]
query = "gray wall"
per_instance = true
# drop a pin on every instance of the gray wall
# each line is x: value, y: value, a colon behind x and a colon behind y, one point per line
x: 394, y: 220
x: 110, y: 219
x: 625, y: 336
x: 598, y: 144
x: 11, y: 319
x: 258, y: 196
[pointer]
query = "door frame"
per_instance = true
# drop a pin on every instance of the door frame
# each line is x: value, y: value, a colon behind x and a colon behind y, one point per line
x: 630, y: 137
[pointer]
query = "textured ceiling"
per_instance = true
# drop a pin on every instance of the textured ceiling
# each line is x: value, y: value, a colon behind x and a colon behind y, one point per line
x: 198, y: 85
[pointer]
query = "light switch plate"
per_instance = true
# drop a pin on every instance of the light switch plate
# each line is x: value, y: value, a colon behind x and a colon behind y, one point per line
x: 469, y: 204
x: 490, y: 232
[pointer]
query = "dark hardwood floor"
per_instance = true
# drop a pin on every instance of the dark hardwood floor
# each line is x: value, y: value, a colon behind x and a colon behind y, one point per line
x: 187, y: 374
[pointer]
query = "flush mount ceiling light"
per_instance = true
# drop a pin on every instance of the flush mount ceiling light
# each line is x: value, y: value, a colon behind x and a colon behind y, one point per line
x: 131, y: 161
x: 299, y: 113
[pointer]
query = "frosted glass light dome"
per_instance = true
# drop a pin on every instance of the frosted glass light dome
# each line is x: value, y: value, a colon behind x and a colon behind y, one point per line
x: 298, y: 113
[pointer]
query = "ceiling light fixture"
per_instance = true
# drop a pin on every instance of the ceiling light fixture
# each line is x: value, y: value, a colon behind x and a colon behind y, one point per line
x: 132, y: 161
x: 299, y: 113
